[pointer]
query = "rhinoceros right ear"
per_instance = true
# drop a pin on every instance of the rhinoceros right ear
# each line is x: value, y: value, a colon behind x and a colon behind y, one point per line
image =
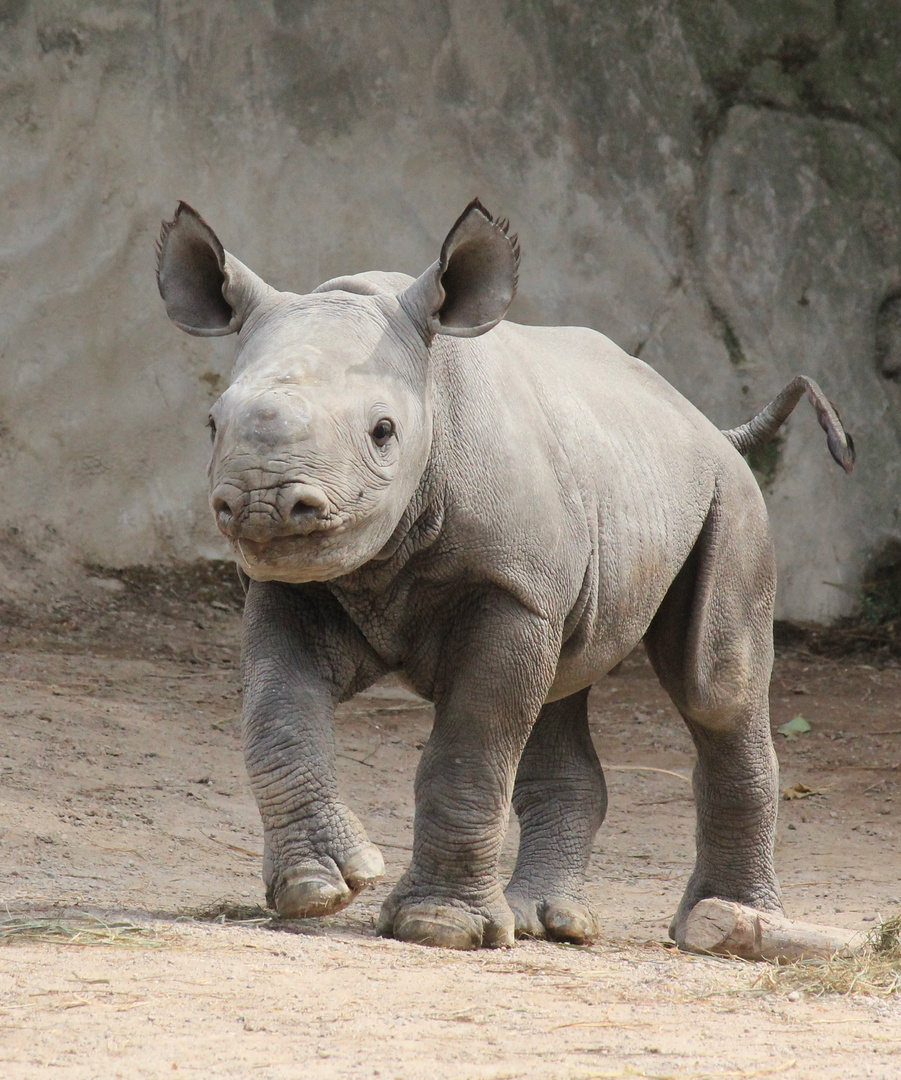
x: 207, y: 292
x: 468, y: 290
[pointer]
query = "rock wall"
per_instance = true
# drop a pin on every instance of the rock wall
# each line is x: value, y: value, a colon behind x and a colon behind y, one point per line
x: 713, y: 184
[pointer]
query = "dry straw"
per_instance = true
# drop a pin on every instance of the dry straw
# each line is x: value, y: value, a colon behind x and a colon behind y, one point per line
x: 874, y: 969
x: 224, y: 911
x: 78, y: 929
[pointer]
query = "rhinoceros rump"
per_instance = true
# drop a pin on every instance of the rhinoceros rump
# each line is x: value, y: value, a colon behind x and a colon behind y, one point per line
x: 499, y: 514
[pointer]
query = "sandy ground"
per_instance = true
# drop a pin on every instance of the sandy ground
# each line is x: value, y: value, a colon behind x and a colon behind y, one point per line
x: 122, y: 794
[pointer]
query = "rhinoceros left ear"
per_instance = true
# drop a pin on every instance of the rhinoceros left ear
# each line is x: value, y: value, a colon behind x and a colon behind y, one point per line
x: 206, y: 290
x: 468, y: 290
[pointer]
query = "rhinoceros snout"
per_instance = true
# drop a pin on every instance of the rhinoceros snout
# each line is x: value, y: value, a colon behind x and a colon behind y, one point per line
x: 289, y: 510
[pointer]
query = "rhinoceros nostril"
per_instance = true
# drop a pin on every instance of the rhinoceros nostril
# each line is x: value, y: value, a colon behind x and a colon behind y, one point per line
x: 222, y: 510
x: 304, y: 511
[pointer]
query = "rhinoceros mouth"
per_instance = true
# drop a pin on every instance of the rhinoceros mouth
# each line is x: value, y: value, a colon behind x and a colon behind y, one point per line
x: 296, y: 559
x: 283, y: 547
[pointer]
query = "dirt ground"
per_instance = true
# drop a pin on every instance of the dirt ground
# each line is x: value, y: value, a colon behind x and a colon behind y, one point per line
x: 123, y: 795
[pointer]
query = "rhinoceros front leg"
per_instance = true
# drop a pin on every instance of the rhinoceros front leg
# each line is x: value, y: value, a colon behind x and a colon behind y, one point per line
x: 300, y: 656
x: 560, y: 799
x: 496, y: 669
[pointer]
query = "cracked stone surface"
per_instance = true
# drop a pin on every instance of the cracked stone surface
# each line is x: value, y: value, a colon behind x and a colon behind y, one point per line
x: 713, y: 184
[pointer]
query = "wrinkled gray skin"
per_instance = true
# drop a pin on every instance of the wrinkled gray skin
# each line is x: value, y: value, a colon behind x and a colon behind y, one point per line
x: 499, y: 517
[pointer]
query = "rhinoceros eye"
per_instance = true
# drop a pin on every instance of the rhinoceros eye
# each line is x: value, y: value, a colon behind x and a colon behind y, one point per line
x: 382, y: 432
x: 211, y: 424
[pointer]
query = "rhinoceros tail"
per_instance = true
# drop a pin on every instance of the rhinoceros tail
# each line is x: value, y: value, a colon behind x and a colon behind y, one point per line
x: 766, y: 423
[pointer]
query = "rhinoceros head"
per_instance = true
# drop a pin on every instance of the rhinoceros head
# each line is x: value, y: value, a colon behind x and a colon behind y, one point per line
x: 321, y: 440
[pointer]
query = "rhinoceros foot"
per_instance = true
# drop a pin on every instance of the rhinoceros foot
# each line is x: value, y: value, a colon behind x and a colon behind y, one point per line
x: 446, y: 925
x: 309, y: 890
x: 763, y: 896
x: 555, y: 918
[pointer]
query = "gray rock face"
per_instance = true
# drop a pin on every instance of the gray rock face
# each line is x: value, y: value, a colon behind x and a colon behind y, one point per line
x: 714, y: 185
x: 800, y: 252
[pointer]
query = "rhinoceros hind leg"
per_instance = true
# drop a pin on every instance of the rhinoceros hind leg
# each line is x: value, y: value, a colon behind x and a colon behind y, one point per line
x: 711, y: 644
x: 560, y: 799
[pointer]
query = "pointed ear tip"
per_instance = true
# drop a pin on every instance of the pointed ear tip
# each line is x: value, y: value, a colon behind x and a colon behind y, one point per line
x: 166, y: 224
x: 503, y: 224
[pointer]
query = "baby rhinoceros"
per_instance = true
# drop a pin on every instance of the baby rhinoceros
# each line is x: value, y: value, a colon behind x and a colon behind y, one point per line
x: 499, y: 514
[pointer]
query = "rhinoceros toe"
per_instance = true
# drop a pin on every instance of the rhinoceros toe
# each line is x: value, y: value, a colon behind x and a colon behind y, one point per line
x: 556, y: 918
x: 311, y: 889
x: 363, y: 868
x: 444, y: 926
x: 572, y: 922
x: 306, y: 892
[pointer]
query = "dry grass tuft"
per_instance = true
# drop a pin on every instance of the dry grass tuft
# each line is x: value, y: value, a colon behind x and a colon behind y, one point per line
x: 78, y: 929
x: 873, y: 970
x: 224, y: 911
x: 886, y: 938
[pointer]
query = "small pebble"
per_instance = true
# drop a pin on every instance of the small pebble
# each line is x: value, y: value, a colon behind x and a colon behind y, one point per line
x: 795, y: 995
